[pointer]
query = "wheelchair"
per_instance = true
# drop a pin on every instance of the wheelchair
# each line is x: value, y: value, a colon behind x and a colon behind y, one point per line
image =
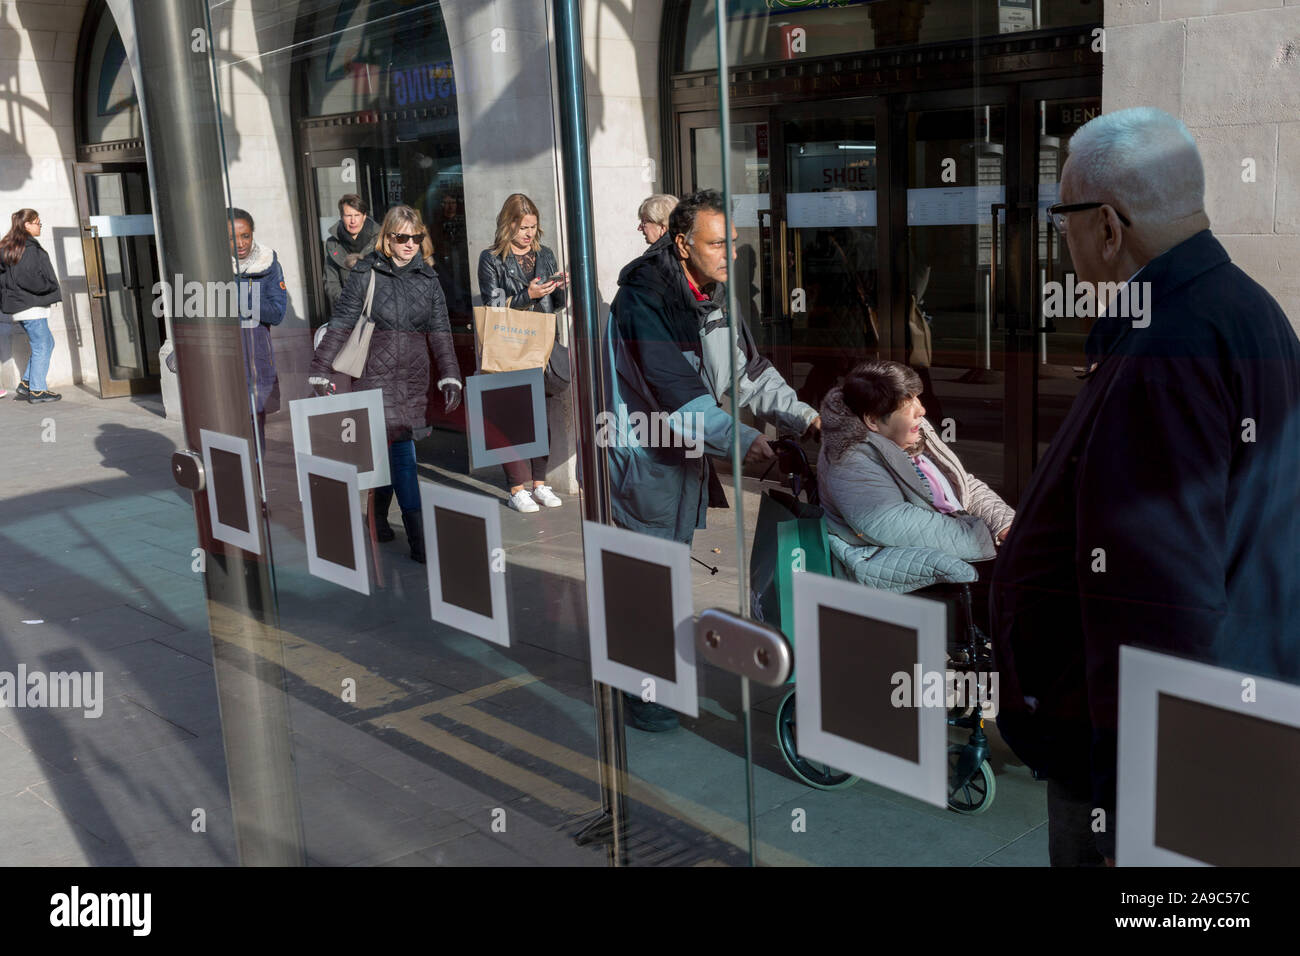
x: 971, y: 784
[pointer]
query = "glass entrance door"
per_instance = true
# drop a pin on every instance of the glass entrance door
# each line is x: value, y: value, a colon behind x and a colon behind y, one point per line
x: 958, y: 178
x: 825, y: 244
x: 121, y: 260
x: 1059, y: 111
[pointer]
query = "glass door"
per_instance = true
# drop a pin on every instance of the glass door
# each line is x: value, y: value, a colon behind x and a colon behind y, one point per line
x: 329, y: 175
x: 121, y: 261
x: 951, y: 263
x: 1058, y: 110
x: 825, y: 243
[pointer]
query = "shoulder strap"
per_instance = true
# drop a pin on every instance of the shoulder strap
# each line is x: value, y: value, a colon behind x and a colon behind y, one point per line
x: 370, y: 297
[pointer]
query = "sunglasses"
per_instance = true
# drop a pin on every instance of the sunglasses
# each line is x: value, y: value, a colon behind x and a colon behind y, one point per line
x: 401, y: 238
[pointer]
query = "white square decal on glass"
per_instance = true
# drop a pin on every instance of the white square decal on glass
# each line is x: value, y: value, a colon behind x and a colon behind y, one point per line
x: 466, y: 562
x: 331, y: 517
x: 506, y: 417
x: 872, y: 684
x: 1209, y: 765
x: 640, y: 615
x: 232, y: 505
x: 348, y: 428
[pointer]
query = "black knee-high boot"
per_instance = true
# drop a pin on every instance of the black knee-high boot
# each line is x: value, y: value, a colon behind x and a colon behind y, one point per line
x: 413, y: 521
x: 383, y: 498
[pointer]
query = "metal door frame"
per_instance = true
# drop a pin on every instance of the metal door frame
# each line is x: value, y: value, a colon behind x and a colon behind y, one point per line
x: 92, y: 256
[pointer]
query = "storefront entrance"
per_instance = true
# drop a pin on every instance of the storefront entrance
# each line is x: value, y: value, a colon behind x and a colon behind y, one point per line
x: 910, y: 225
x: 121, y: 257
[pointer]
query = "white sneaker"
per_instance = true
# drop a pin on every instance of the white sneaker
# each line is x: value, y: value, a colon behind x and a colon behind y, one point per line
x: 521, y: 500
x: 546, y: 496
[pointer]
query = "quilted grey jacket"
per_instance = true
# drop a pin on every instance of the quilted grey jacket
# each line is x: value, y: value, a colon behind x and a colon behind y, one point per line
x: 883, y: 524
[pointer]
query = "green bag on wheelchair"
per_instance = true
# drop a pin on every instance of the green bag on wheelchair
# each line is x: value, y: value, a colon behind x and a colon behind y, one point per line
x: 802, y: 547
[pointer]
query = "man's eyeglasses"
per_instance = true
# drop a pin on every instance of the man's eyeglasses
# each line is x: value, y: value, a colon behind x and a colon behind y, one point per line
x: 401, y: 238
x: 1058, y: 213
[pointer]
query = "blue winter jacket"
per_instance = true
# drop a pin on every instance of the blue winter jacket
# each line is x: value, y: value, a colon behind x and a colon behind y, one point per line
x: 263, y: 302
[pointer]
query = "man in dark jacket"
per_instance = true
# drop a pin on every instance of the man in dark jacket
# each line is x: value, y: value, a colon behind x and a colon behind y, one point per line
x: 350, y: 239
x: 671, y: 343
x: 668, y: 401
x: 1166, y: 512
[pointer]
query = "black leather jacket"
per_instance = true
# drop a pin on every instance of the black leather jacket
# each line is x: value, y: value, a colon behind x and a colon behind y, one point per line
x: 494, y: 273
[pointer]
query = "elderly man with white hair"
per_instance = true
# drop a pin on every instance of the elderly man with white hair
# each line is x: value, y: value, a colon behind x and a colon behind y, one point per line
x: 1166, y: 512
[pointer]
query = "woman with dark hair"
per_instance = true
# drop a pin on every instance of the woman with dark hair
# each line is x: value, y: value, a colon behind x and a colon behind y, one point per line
x: 352, y: 237
x: 887, y: 482
x: 410, y: 315
x: 28, y: 287
x: 521, y: 273
x: 263, y: 302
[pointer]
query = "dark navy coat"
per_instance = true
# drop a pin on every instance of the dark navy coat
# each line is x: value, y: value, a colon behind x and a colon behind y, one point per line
x: 1178, y: 466
x: 264, y: 279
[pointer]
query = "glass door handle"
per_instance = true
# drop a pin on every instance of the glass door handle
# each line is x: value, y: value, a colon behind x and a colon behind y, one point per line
x: 1045, y: 323
x: 783, y: 270
x: 993, y: 257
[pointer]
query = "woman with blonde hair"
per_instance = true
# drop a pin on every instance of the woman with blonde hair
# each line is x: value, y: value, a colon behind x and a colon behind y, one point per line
x: 410, y: 316
x: 28, y: 287
x: 521, y: 273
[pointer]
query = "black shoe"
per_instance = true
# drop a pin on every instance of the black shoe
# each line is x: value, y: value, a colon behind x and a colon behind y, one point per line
x: 22, y: 391
x: 383, y: 530
x: 653, y: 718
x: 38, y: 398
x: 413, y: 521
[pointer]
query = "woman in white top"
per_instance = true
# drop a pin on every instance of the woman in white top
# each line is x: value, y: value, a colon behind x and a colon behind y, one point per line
x: 28, y: 287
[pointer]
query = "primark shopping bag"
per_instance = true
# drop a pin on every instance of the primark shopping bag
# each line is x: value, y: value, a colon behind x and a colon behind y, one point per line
x: 509, y: 340
x: 790, y: 538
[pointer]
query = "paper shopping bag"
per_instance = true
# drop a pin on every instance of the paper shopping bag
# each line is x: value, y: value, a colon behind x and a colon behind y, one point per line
x: 511, y: 339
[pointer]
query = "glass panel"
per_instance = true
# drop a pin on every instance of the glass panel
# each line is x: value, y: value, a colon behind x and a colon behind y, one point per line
x: 766, y: 31
x: 750, y: 207
x: 111, y: 109
x: 1061, y: 341
x: 359, y: 62
x: 956, y: 172
x: 443, y: 744
x: 830, y: 223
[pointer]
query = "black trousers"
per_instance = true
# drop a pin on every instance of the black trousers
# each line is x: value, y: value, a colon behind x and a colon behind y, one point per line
x: 1070, y: 839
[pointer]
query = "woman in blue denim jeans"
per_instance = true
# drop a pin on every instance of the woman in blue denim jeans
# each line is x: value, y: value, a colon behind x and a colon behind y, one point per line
x: 28, y: 287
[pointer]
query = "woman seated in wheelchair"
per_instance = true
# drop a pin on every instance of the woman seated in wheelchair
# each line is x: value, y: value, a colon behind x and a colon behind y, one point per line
x: 901, y: 510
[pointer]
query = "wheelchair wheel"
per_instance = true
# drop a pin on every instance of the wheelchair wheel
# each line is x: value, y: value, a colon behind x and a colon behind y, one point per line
x: 814, y: 774
x: 976, y: 794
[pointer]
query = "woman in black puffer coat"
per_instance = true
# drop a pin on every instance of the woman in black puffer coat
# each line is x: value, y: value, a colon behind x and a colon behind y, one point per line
x: 410, y: 316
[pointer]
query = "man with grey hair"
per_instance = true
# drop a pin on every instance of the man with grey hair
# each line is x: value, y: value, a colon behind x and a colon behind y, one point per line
x: 1166, y: 512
